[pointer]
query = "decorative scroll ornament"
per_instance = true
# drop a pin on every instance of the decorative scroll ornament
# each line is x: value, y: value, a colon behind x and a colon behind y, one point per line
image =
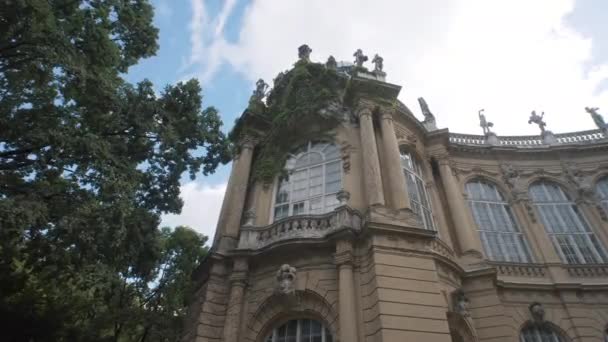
x: 575, y: 176
x: 537, y: 311
x: 286, y: 276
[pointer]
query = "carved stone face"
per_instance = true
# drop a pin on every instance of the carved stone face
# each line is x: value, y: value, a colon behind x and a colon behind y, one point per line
x: 286, y: 276
x: 537, y: 311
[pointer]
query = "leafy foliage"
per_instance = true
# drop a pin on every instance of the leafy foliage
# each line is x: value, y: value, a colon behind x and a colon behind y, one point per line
x: 305, y: 97
x: 88, y: 163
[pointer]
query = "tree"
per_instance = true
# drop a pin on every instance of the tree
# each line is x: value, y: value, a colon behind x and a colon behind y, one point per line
x: 88, y: 163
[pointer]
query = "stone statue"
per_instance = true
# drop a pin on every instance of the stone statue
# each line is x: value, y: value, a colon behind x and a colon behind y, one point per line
x: 483, y: 123
x: 331, y: 63
x: 304, y: 53
x: 378, y: 63
x: 461, y: 303
x: 286, y: 277
x: 597, y: 118
x: 538, y: 119
x: 428, y: 116
x: 360, y: 58
x: 537, y: 311
x: 260, y: 91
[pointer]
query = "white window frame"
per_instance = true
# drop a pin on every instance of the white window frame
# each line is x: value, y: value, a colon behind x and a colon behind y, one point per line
x: 323, y: 195
x: 273, y: 336
x: 580, y: 230
x: 521, y: 242
x: 416, y: 172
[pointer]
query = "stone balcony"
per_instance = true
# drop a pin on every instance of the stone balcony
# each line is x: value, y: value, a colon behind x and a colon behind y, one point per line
x: 300, y: 228
x: 562, y: 274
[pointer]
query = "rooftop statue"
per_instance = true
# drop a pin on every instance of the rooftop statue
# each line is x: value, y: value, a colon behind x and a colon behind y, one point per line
x: 331, y: 63
x: 597, y: 118
x: 360, y: 58
x: 304, y: 53
x: 428, y: 116
x: 378, y: 63
x: 259, y: 92
x: 538, y: 119
x: 483, y: 123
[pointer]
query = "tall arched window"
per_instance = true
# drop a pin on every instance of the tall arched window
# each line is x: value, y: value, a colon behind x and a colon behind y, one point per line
x: 314, y: 178
x: 300, y: 330
x: 602, y: 191
x: 419, y: 198
x: 502, y: 240
x: 570, y: 233
x: 540, y: 333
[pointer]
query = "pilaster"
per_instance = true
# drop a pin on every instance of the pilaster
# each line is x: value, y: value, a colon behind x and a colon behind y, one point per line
x: 346, y: 300
x: 238, y: 281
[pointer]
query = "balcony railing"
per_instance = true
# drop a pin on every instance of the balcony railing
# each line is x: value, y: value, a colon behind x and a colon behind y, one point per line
x: 300, y: 227
x: 530, y: 141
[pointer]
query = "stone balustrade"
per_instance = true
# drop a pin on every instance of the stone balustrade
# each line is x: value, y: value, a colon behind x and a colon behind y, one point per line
x: 587, y: 270
x: 529, y: 141
x: 300, y: 227
x: 519, y: 269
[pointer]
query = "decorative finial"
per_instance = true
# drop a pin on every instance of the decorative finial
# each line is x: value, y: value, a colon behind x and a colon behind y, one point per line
x: 259, y: 92
x: 597, y: 118
x: 360, y: 58
x: 483, y: 123
x: 304, y: 53
x: 378, y: 63
x: 331, y: 63
x: 538, y: 119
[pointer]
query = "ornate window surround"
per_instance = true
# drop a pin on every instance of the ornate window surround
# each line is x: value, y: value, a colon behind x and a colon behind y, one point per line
x: 541, y: 332
x: 495, y: 208
x: 601, y: 188
x: 565, y: 224
x: 419, y: 194
x: 329, y: 164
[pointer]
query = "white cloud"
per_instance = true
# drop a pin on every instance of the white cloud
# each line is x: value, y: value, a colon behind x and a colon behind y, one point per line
x: 202, y: 204
x: 508, y: 56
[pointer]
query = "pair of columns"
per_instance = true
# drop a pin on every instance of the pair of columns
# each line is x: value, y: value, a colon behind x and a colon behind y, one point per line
x: 398, y: 197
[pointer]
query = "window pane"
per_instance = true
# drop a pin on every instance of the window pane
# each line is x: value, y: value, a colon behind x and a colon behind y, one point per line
x: 281, y: 211
x: 315, y: 173
x: 561, y: 218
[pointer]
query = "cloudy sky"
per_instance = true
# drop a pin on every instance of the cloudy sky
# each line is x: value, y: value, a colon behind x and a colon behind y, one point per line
x: 506, y: 56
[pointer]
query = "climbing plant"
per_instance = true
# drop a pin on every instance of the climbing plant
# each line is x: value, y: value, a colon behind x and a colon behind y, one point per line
x: 304, y: 102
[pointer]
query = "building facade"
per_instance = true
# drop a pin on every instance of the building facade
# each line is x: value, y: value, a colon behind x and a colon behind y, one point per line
x: 384, y: 228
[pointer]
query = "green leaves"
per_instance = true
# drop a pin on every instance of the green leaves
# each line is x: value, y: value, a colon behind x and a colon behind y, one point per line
x: 88, y: 163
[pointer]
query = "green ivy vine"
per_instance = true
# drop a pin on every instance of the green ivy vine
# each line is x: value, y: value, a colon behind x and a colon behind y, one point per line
x: 296, y: 112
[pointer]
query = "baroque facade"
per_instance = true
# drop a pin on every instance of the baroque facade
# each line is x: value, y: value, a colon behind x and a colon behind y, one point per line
x: 384, y: 228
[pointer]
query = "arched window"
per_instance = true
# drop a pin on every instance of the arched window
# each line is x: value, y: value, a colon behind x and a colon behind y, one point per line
x: 499, y: 233
x: 419, y: 198
x: 540, y: 333
x: 314, y: 179
x: 570, y: 233
x: 300, y: 330
x: 602, y: 191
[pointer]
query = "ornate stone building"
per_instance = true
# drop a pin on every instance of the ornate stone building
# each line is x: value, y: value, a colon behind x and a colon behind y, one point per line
x: 384, y: 228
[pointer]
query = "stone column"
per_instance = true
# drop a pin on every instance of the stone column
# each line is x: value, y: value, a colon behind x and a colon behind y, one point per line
x: 466, y: 232
x: 346, y: 291
x: 398, y: 196
x: 371, y: 164
x: 238, y: 281
x: 234, y: 200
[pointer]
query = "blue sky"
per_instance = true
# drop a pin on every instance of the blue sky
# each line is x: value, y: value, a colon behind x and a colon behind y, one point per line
x: 506, y: 56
